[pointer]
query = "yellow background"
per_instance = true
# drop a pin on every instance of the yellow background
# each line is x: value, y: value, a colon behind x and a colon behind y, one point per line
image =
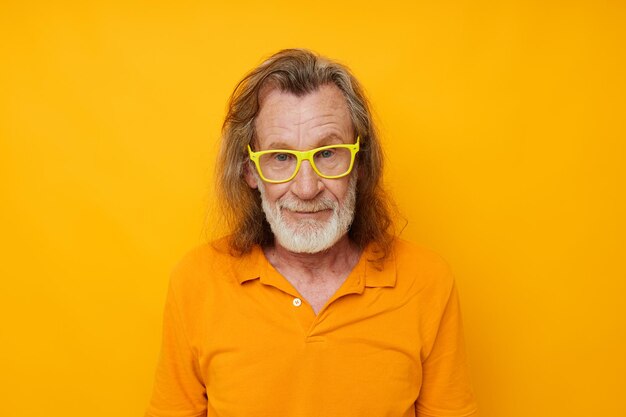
x: 504, y: 125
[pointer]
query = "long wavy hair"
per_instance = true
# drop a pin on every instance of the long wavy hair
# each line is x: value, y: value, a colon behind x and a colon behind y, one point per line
x: 299, y: 72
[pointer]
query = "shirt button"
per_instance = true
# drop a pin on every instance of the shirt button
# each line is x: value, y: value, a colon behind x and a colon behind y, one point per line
x: 297, y: 302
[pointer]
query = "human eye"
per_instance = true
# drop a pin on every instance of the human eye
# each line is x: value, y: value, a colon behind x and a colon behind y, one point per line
x: 326, y: 153
x: 282, y: 157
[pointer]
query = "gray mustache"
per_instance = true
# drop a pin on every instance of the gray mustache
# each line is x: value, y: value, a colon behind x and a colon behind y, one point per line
x: 308, y: 206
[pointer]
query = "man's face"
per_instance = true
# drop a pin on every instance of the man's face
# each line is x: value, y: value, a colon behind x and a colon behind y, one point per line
x: 309, y: 213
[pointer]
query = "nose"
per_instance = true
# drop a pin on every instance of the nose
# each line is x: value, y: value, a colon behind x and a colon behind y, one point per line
x: 307, y: 184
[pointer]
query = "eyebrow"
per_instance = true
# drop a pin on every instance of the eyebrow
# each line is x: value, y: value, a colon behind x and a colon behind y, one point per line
x: 330, y: 139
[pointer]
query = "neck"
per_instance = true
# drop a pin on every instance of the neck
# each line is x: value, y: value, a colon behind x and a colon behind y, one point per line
x: 342, y: 255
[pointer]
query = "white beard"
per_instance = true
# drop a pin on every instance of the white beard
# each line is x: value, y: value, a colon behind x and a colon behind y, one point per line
x: 308, y: 235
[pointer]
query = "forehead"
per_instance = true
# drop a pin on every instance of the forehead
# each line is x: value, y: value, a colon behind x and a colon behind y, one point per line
x: 302, y: 121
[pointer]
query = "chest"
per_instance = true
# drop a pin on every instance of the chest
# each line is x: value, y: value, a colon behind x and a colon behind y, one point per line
x: 317, y: 294
x: 353, y: 358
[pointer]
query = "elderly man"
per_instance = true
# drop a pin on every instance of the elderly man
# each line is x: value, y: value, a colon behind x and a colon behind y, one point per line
x: 311, y: 307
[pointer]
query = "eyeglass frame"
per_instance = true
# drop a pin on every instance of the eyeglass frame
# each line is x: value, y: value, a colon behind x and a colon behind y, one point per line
x: 305, y: 156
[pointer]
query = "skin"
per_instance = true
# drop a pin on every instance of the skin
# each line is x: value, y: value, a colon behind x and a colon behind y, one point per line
x: 286, y: 121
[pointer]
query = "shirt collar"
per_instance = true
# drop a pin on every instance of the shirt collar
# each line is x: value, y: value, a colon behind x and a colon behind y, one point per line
x: 255, y: 265
x: 379, y: 274
x: 250, y: 265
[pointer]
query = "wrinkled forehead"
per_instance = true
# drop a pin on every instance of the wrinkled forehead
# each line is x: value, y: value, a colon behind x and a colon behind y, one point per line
x: 285, y: 116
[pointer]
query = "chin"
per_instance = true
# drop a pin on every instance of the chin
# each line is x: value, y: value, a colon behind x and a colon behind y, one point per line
x: 308, y: 236
x: 306, y: 226
x: 307, y: 247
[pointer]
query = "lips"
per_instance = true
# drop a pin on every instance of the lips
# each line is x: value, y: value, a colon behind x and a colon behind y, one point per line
x: 308, y: 215
x: 307, y: 207
x: 308, y: 212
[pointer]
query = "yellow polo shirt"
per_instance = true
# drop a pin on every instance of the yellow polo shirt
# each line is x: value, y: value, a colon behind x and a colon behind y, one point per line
x: 239, y: 341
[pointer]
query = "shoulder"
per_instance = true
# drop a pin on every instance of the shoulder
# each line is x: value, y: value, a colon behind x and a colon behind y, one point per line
x: 422, y: 269
x: 206, y: 265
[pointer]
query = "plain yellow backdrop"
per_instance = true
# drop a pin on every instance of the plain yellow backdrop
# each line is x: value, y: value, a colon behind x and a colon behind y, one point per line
x: 504, y: 127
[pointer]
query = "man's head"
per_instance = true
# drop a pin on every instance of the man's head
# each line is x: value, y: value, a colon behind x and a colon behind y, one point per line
x: 297, y: 100
x: 308, y: 213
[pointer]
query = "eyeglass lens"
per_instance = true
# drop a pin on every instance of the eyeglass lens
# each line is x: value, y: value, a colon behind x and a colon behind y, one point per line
x: 277, y: 166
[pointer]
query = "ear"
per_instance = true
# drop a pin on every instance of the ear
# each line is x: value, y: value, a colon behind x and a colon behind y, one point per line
x: 251, y: 179
x: 360, y: 170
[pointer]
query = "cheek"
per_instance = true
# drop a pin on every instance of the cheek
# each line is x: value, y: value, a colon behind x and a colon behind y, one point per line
x: 274, y: 192
x: 338, y: 188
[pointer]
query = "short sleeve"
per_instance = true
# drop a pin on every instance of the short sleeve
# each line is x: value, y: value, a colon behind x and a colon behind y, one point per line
x: 446, y: 388
x: 178, y: 388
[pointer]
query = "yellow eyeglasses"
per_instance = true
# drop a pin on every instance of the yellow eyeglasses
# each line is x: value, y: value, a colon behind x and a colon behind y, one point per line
x: 282, y: 165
